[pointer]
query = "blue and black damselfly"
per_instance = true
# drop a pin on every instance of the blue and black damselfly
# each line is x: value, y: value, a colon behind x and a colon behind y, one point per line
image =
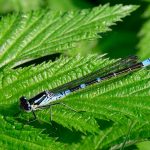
x: 46, y: 99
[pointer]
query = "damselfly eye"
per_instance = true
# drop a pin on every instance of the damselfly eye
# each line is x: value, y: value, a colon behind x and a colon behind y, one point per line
x: 24, y: 104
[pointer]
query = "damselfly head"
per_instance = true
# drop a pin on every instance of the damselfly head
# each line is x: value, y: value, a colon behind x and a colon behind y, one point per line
x: 24, y: 104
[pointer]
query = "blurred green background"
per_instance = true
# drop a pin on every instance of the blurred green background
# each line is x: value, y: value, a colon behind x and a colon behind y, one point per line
x: 123, y: 40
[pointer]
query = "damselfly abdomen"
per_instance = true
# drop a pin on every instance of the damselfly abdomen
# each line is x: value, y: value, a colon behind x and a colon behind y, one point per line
x: 47, y: 98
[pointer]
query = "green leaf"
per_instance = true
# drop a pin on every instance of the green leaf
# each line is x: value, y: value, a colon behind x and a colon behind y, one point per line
x: 26, y: 36
x: 14, y: 135
x: 130, y: 132
x: 108, y: 108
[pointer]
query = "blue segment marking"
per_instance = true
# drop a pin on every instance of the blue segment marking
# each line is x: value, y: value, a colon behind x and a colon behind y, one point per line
x: 67, y: 92
x: 146, y: 62
x: 98, y: 79
x: 82, y: 86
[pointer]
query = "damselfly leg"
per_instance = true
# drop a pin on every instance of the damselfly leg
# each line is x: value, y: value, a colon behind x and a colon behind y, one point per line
x: 34, y: 117
x: 59, y: 103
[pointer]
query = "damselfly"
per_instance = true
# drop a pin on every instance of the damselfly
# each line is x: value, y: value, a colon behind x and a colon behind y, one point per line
x: 47, y: 98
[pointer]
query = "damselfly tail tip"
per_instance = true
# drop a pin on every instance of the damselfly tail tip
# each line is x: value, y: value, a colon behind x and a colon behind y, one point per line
x: 146, y: 62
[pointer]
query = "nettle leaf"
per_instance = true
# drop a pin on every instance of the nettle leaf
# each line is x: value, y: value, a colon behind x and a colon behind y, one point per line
x: 128, y: 133
x: 108, y: 108
x: 26, y: 36
x: 144, y: 34
x: 16, y: 136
